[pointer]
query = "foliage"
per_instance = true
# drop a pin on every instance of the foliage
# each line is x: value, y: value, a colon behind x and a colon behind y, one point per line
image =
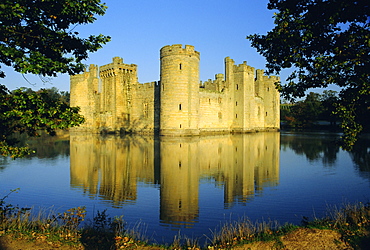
x: 329, y: 98
x: 307, y: 112
x: 38, y: 36
x: 54, y: 93
x: 28, y: 112
x: 325, y: 42
x: 316, y: 107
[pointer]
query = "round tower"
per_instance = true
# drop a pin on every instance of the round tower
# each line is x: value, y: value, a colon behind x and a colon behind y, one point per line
x: 179, y: 103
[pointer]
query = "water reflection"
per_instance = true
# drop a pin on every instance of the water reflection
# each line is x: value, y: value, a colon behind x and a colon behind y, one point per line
x: 361, y: 156
x: 111, y: 168
x: 325, y: 147
x: 314, y: 147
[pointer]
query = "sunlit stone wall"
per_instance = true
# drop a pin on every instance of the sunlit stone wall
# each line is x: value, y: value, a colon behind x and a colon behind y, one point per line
x: 179, y: 98
x: 84, y: 89
x: 112, y: 100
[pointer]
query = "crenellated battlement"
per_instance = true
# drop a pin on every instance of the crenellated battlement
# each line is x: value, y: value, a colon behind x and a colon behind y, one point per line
x: 214, y: 85
x: 116, y: 67
x: 178, y: 49
x: 147, y: 85
x: 260, y: 75
x: 244, y: 68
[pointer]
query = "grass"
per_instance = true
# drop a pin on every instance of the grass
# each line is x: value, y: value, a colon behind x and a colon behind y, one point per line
x: 245, y: 231
x: 65, y: 228
x: 352, y: 221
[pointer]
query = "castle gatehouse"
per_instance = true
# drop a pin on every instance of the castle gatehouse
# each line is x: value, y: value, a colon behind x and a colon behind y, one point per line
x: 112, y: 100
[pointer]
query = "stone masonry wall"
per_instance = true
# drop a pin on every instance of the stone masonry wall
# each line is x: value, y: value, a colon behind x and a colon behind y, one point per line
x: 111, y: 99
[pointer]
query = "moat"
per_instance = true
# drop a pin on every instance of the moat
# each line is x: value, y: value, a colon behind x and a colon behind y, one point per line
x: 191, y: 185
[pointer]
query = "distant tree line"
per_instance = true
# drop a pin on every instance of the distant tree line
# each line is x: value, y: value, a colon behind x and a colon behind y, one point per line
x: 54, y: 93
x: 308, y: 112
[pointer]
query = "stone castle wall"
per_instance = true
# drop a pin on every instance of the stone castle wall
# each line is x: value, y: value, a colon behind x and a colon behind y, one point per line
x: 112, y: 100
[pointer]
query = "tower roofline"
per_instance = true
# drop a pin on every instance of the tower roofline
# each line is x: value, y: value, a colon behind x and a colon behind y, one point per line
x: 178, y: 49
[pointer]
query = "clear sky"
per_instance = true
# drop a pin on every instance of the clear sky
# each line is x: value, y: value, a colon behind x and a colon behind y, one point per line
x: 140, y: 28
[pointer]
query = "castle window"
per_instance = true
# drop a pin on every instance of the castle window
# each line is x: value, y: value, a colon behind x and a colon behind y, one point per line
x: 236, y: 103
x: 268, y: 89
x: 146, y: 111
x: 180, y: 125
x: 179, y: 164
x: 237, y: 87
x: 266, y: 113
x: 236, y: 115
x: 180, y: 66
x: 180, y: 106
x: 209, y: 100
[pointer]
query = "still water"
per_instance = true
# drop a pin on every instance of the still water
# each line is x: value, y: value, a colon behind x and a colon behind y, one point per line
x: 191, y: 185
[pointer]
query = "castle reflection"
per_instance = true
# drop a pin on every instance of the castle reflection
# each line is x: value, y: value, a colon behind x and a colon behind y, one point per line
x: 111, y: 167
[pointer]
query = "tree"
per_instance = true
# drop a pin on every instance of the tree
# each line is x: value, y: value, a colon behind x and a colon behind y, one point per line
x: 26, y: 111
x: 325, y: 42
x: 304, y: 114
x: 39, y: 37
x: 329, y: 98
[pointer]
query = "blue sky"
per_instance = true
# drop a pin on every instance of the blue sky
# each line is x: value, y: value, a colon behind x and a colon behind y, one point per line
x: 139, y: 29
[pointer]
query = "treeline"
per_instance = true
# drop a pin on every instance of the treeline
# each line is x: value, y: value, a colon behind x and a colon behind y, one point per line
x: 309, y: 112
x: 53, y: 93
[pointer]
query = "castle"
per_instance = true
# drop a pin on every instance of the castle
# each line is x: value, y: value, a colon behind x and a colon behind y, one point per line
x: 112, y: 100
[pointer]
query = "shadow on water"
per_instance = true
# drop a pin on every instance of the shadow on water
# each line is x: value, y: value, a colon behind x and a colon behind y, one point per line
x: 314, y: 147
x: 325, y: 148
x: 361, y: 156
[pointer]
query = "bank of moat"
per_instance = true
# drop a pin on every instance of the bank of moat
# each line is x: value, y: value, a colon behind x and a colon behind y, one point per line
x: 112, y: 100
